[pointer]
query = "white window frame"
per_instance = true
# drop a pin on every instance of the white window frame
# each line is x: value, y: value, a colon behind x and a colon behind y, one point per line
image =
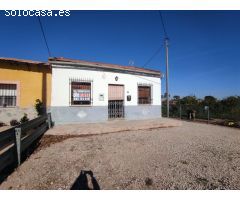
x: 80, y: 80
x: 17, y: 83
x: 151, y: 95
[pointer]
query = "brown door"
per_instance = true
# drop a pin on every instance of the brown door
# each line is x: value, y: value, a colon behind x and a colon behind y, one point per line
x: 115, y: 101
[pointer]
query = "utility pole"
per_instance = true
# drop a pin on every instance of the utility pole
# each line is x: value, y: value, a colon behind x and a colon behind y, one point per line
x: 167, y: 92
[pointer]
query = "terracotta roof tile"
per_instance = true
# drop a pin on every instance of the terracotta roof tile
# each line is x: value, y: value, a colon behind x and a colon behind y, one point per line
x: 15, y: 60
x: 106, y: 65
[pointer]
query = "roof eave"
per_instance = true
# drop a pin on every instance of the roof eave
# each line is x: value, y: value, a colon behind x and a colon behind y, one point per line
x: 19, y: 61
x: 155, y: 74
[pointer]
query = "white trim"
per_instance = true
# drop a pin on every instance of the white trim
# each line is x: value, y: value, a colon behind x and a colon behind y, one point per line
x: 17, y: 92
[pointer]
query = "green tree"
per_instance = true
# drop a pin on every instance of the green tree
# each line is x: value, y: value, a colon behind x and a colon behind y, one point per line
x: 230, y: 107
x: 209, y: 100
x: 176, y: 97
x: 189, y: 100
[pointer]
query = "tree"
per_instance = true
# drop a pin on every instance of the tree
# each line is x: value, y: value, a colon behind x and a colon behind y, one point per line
x: 209, y: 100
x: 231, y: 107
x: 189, y: 100
x: 231, y: 101
x: 176, y: 97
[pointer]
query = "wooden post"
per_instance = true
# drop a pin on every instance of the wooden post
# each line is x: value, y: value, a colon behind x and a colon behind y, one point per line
x: 49, y: 120
x: 180, y: 111
x: 18, y: 133
x: 208, y: 115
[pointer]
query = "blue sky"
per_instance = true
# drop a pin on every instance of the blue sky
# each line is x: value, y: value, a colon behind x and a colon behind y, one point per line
x: 204, y: 52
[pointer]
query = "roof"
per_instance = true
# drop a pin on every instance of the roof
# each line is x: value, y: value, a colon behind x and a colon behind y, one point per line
x: 101, y: 65
x: 23, y: 61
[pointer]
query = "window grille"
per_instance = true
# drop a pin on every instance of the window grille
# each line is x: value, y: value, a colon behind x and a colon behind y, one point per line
x: 115, y: 108
x: 144, y: 94
x: 8, y: 95
x: 81, y: 92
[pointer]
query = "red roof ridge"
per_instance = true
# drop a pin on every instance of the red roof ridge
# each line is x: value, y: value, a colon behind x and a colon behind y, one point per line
x: 5, y: 59
x: 135, y: 68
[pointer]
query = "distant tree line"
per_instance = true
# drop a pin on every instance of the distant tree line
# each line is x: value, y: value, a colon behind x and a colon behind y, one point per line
x: 227, y: 108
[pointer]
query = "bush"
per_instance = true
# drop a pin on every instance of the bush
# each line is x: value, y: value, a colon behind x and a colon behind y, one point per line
x: 24, y: 118
x: 39, y: 107
x: 14, y: 122
x: 2, y: 124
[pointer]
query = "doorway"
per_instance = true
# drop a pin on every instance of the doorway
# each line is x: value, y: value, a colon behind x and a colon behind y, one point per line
x: 115, y: 101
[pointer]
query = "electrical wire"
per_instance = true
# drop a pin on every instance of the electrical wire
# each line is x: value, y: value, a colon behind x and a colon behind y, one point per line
x: 163, y: 25
x: 153, y: 56
x: 44, y: 36
x: 148, y: 61
x: 159, y: 49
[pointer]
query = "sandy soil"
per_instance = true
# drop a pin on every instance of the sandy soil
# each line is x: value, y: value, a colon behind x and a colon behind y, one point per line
x: 3, y: 128
x: 112, y: 126
x: 191, y: 156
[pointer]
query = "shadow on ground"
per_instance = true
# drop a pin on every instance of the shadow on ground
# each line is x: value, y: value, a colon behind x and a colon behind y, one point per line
x: 85, y: 181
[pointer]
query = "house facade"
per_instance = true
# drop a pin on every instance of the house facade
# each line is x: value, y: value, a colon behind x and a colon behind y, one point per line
x: 21, y: 83
x: 84, y: 91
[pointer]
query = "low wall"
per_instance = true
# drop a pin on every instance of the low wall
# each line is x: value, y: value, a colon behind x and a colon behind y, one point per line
x: 7, y: 114
x: 74, y: 114
x: 142, y: 112
x: 71, y: 114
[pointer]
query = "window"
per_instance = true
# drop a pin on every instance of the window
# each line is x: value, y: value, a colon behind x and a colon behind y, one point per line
x: 144, y: 95
x: 80, y: 93
x: 8, y: 95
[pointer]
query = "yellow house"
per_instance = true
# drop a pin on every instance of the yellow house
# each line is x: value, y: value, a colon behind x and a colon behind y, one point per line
x: 21, y: 83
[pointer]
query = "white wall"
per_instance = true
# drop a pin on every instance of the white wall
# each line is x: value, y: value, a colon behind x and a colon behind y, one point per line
x: 61, y: 89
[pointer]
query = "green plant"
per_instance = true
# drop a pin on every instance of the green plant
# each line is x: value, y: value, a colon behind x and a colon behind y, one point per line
x: 14, y: 122
x: 39, y: 106
x: 2, y: 124
x: 24, y: 118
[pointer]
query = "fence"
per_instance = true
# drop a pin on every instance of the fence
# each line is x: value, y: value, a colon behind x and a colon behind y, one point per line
x: 14, y: 141
x: 182, y: 111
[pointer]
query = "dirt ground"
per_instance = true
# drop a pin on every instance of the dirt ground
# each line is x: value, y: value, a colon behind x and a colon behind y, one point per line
x: 3, y: 128
x: 191, y: 156
x: 113, y: 126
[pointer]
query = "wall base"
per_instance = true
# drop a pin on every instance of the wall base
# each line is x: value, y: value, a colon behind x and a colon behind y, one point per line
x: 92, y: 114
x: 8, y: 114
x: 142, y: 112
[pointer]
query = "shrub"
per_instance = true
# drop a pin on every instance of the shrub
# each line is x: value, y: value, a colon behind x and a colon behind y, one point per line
x: 2, y: 124
x: 39, y: 107
x: 24, y: 118
x: 14, y: 122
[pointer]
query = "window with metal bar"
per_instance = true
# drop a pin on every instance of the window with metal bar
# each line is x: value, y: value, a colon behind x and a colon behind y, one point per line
x: 144, y: 95
x: 8, y: 95
x: 80, y: 93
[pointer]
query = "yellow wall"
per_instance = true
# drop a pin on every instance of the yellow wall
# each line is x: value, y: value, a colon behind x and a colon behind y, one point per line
x: 34, y: 82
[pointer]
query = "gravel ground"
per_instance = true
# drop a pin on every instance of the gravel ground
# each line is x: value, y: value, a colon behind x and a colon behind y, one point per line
x: 3, y: 128
x: 113, y: 126
x: 191, y: 156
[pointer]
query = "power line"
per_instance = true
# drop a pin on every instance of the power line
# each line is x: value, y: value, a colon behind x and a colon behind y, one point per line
x: 163, y: 25
x: 160, y: 48
x: 147, y: 79
x: 44, y: 36
x: 153, y: 56
x: 148, y: 61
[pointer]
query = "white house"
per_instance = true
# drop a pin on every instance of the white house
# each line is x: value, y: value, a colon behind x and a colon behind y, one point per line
x: 84, y: 91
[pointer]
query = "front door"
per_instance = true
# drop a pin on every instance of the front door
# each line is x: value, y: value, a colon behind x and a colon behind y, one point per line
x: 115, y: 101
